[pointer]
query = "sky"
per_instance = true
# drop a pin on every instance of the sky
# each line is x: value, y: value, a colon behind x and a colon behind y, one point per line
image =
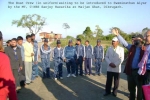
x: 130, y: 18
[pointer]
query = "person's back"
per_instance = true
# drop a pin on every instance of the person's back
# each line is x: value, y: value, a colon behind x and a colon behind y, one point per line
x: 7, y: 81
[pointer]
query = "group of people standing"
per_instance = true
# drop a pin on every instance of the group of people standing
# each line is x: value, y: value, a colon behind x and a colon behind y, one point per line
x: 24, y: 57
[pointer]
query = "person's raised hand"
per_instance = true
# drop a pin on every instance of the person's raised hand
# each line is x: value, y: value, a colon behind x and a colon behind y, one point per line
x: 115, y: 32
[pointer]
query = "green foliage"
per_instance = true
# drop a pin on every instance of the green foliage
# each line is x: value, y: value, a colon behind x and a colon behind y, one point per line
x: 33, y: 22
x: 98, y: 31
x: 81, y: 36
x: 70, y: 37
x: 88, y: 33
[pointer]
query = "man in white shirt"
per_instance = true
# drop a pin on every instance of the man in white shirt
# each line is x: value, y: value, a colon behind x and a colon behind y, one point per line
x: 29, y: 58
x: 114, y: 57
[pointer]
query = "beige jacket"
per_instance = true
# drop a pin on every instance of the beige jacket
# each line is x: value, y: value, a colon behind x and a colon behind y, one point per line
x: 114, y: 56
x: 28, y: 49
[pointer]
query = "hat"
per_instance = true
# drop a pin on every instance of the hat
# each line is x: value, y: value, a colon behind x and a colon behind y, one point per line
x: 58, y: 42
x: 140, y: 36
x: 70, y: 41
x: 1, y: 35
x: 45, y: 40
x: 98, y: 40
x: 115, y: 39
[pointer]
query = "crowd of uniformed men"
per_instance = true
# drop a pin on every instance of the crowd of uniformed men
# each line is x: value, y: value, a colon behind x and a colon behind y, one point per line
x: 24, y: 59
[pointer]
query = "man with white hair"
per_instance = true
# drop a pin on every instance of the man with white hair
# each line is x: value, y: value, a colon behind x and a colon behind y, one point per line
x: 114, y: 58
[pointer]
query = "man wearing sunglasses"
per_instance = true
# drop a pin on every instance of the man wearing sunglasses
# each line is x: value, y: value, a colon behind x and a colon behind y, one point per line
x: 135, y: 54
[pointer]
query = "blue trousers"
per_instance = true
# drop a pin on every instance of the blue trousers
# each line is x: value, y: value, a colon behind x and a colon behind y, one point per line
x: 79, y: 64
x: 34, y: 71
x: 88, y: 65
x: 98, y: 65
x: 58, y: 69
x: 45, y: 67
x: 71, y: 64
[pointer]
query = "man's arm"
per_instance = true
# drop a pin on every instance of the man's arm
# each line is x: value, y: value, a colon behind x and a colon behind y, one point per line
x: 107, y: 57
x: 120, y: 60
x: 20, y: 57
x: 102, y: 53
x: 124, y: 42
x: 6, y: 51
x: 94, y: 52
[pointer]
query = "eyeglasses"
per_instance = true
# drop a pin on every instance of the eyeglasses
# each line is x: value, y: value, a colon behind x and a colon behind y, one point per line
x: 113, y: 41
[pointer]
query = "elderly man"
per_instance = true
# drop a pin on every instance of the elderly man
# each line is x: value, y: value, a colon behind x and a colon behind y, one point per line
x: 114, y: 58
x: 144, y: 65
x: 131, y: 68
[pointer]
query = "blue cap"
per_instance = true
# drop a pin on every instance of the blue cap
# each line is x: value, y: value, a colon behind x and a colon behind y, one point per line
x: 45, y: 40
x: 98, y: 40
x: 70, y: 41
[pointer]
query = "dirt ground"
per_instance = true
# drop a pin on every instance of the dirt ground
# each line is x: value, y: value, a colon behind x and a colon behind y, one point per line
x: 79, y: 88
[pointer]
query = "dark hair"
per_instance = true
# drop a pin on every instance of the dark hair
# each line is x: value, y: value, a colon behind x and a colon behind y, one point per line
x: 19, y: 38
x: 8, y: 41
x: 1, y: 36
x: 32, y: 34
x: 79, y: 39
x: 28, y: 36
x: 14, y: 39
x: 87, y: 41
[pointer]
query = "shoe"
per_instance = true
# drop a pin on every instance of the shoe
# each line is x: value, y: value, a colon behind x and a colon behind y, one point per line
x: 68, y: 75
x: 99, y: 74
x: 73, y: 75
x: 55, y: 79
x: 61, y: 78
x: 18, y: 91
x: 114, y: 94
x: 106, y: 94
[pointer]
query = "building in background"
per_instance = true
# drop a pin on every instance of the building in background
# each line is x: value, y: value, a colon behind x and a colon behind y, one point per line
x: 50, y: 36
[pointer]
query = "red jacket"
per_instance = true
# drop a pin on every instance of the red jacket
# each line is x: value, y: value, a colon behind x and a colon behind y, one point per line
x: 7, y: 81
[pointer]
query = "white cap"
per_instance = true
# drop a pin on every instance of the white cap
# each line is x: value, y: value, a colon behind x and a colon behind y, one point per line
x: 115, y: 39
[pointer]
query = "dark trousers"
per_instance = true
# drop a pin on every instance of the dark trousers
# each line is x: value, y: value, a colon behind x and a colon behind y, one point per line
x: 133, y: 81
x: 16, y: 76
x: 71, y: 66
x: 58, y: 69
x: 87, y: 64
x: 79, y: 65
x: 146, y: 78
x: 110, y: 76
x: 22, y: 75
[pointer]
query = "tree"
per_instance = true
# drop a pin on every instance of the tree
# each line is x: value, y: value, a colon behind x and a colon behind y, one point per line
x: 69, y: 37
x: 88, y: 33
x: 98, y: 31
x: 33, y: 22
x: 81, y: 36
x: 66, y: 26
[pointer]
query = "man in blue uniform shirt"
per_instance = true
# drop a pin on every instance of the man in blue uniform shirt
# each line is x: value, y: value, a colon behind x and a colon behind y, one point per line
x: 70, y: 58
x: 80, y: 55
x: 98, y: 57
x: 58, y: 54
